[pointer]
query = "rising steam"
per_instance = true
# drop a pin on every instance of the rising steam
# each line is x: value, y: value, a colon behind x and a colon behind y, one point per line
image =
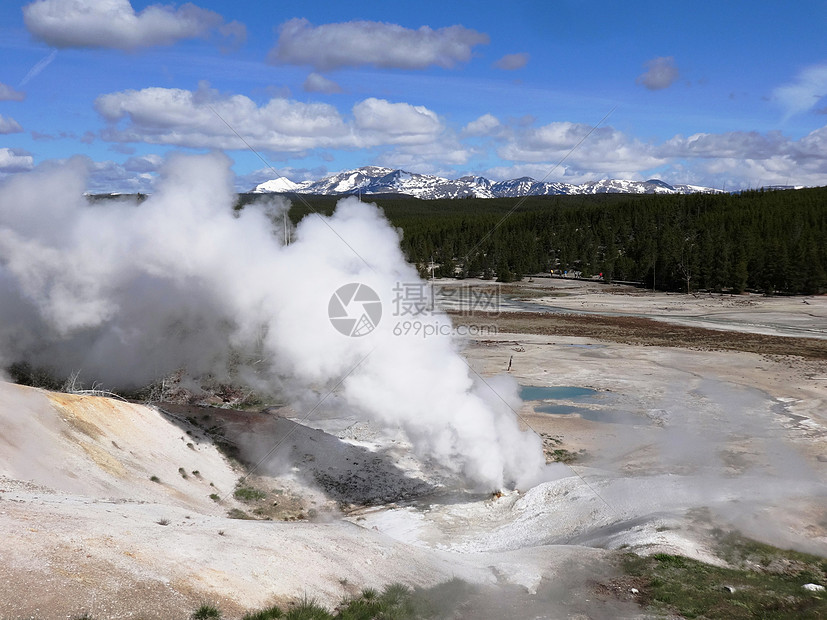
x: 126, y: 293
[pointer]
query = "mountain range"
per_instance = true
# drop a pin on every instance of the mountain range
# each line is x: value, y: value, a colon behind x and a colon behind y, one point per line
x: 378, y: 180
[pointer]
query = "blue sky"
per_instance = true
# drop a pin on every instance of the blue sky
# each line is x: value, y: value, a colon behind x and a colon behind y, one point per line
x: 723, y: 94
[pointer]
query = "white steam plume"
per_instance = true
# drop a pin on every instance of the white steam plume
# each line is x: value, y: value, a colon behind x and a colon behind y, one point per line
x: 127, y: 293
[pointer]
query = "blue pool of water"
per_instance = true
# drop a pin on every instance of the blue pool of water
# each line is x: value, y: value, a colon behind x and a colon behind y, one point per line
x: 576, y: 394
x: 558, y: 392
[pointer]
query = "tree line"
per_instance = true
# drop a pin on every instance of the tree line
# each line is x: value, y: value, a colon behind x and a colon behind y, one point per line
x: 767, y: 241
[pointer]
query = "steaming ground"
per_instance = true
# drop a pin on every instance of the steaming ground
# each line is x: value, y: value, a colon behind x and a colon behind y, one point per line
x: 123, y: 294
x: 708, y: 439
x: 704, y: 439
x: 87, y: 530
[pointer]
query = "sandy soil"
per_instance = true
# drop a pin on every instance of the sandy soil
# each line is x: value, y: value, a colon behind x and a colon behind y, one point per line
x: 679, y: 437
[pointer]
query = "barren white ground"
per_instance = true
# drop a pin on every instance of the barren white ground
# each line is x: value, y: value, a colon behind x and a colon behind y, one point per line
x: 755, y: 313
x: 734, y: 437
x: 693, y: 440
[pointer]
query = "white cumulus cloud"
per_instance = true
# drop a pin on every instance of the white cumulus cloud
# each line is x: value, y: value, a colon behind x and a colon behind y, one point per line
x: 740, y: 159
x: 485, y: 125
x: 742, y: 144
x: 605, y: 151
x: 13, y: 160
x: 432, y: 157
x: 115, y: 24
x: 395, y: 123
x: 359, y: 43
x: 206, y: 119
x: 202, y: 119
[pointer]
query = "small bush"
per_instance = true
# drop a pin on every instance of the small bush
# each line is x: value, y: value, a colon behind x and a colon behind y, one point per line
x: 215, y: 497
x: 395, y: 602
x: 271, y: 613
x: 206, y: 612
x: 308, y: 609
x: 396, y: 595
x: 155, y: 479
x: 162, y: 522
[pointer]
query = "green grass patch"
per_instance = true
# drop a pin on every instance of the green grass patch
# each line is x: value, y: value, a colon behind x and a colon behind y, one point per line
x: 745, y: 552
x: 762, y: 582
x: 270, y: 613
x: 394, y: 602
x: 309, y: 609
x: 561, y: 455
x: 249, y: 494
x: 235, y: 513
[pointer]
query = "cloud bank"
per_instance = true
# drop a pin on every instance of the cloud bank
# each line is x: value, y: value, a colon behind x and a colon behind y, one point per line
x: 735, y: 159
x: 417, y: 138
x: 205, y: 119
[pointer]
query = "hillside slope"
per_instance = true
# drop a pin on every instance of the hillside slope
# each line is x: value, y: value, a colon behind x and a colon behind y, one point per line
x: 82, y: 520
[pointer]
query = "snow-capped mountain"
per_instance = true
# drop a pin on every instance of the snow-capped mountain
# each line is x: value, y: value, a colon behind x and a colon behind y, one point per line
x: 279, y: 186
x: 378, y: 180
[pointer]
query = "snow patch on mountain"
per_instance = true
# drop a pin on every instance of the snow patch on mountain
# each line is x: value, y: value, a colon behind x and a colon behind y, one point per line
x: 280, y: 185
x: 379, y: 180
